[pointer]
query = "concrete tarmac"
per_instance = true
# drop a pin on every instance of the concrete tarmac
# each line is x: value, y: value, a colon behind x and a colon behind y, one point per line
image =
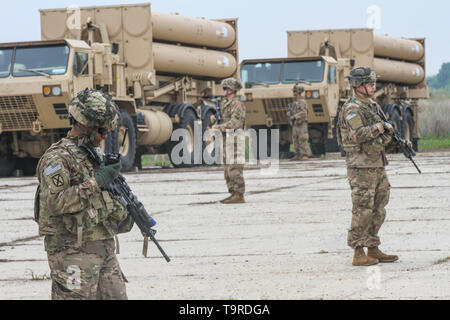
x: 287, y: 242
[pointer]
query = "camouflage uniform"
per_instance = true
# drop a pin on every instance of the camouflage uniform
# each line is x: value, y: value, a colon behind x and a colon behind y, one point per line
x: 79, y: 222
x: 364, y: 142
x: 233, y: 118
x: 300, y: 135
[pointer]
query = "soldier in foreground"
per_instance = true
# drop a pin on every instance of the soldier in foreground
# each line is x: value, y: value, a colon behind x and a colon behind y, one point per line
x: 233, y: 119
x: 363, y: 136
x: 78, y: 219
x: 299, y: 119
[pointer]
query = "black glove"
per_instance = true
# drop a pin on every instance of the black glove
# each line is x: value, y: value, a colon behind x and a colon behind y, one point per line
x: 108, y: 174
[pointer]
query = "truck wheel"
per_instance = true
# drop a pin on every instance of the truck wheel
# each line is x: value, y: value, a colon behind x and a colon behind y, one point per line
x: 187, y: 123
x: 408, y: 128
x: 27, y: 165
x: 394, y: 116
x: 128, y: 150
x: 7, y: 165
x: 317, y: 140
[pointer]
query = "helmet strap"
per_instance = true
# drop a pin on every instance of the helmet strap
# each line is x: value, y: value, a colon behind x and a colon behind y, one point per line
x: 77, y: 127
x: 93, y: 135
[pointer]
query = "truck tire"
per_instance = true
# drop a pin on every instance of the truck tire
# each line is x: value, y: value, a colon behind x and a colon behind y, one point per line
x: 408, y: 128
x: 7, y: 165
x: 394, y: 116
x: 317, y: 139
x: 27, y: 165
x: 332, y: 144
x: 128, y: 151
x: 187, y: 122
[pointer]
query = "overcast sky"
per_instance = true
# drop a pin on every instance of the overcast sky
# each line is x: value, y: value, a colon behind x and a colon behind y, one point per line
x: 263, y: 23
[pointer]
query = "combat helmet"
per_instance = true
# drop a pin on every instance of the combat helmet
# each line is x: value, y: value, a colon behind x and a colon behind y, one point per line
x: 361, y: 76
x: 94, y: 109
x: 298, y: 89
x: 231, y: 83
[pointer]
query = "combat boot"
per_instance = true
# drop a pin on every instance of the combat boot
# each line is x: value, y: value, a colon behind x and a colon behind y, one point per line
x: 304, y: 158
x: 227, y: 198
x: 360, y: 258
x: 295, y: 158
x: 235, y: 198
x: 377, y: 254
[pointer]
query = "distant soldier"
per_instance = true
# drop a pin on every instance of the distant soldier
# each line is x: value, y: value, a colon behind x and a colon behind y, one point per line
x: 233, y: 118
x: 300, y: 135
x: 78, y: 219
x: 363, y: 136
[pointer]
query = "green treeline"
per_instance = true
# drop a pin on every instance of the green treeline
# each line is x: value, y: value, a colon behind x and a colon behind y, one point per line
x: 441, y: 81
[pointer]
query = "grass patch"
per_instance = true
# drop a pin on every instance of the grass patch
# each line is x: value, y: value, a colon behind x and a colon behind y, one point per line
x: 156, y: 160
x: 432, y: 142
x: 441, y: 261
x: 37, y: 277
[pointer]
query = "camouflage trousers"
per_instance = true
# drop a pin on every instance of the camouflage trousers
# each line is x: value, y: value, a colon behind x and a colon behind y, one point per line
x: 300, y: 137
x: 234, y: 168
x: 370, y: 195
x: 91, y: 272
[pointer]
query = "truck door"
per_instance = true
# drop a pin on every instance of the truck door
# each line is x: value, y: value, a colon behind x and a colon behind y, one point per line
x: 82, y: 71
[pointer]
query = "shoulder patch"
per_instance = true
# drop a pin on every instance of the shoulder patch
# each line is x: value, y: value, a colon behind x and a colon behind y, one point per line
x: 56, y: 177
x: 52, y: 169
x: 354, y: 120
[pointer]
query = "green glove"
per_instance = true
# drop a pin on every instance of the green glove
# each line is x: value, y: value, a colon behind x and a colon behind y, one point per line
x: 108, y: 174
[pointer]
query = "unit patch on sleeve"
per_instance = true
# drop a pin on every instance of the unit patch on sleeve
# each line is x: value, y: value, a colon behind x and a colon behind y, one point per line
x: 354, y: 120
x: 56, y: 178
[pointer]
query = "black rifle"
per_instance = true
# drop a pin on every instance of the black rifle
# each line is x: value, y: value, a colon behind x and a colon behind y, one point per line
x: 398, y: 141
x: 121, y: 189
x: 291, y: 122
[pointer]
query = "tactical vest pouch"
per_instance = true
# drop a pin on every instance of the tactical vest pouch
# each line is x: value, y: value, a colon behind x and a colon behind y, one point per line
x: 373, y: 147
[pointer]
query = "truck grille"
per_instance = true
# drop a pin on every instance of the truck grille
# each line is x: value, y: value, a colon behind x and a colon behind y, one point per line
x: 277, y: 109
x: 17, y: 113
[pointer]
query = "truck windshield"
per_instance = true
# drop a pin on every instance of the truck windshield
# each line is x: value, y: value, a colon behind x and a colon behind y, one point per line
x: 311, y: 71
x: 261, y: 73
x: 5, y: 62
x: 38, y: 61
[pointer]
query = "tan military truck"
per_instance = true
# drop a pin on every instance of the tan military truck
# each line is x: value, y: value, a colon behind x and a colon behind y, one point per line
x: 163, y: 70
x: 320, y: 61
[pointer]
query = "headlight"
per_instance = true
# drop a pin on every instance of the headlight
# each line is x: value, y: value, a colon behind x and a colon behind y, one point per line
x: 46, y: 91
x: 56, y: 91
x: 316, y: 95
x: 51, y: 91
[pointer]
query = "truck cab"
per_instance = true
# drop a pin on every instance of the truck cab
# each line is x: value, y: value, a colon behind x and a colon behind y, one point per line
x: 267, y: 93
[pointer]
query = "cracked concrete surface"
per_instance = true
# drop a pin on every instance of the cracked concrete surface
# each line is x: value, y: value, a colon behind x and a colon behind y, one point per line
x: 287, y: 242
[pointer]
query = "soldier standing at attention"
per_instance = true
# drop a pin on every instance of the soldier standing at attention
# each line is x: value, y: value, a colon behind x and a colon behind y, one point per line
x: 300, y: 135
x: 233, y: 118
x: 78, y: 219
x: 363, y: 136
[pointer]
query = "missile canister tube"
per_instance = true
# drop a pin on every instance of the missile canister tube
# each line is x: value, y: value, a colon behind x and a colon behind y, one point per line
x: 202, y: 32
x: 193, y: 61
x: 160, y: 128
x: 402, y: 49
x: 399, y: 72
